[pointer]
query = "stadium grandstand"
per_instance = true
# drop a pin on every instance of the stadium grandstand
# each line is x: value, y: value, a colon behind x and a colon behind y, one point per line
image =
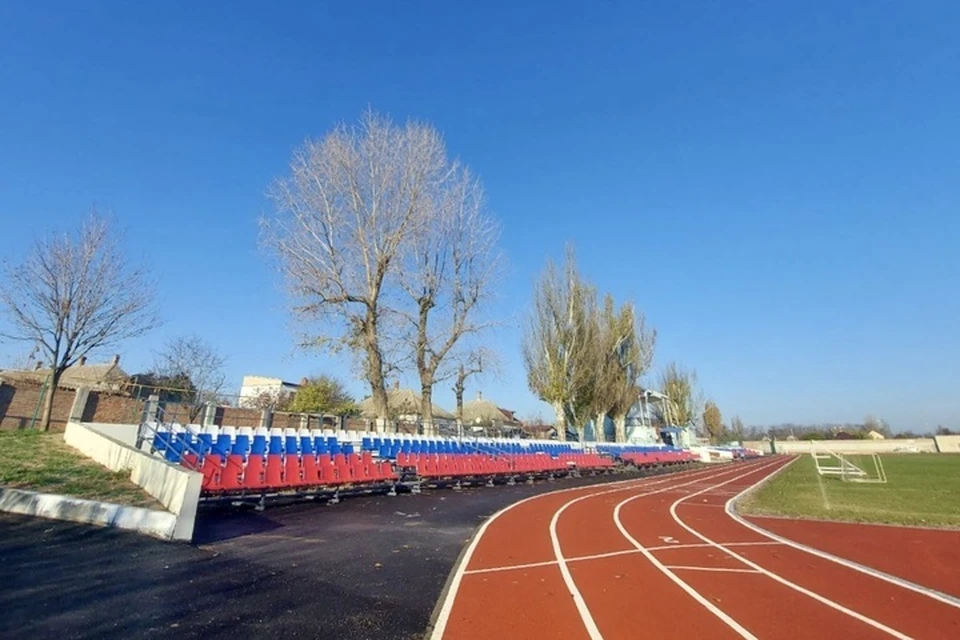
x: 247, y: 463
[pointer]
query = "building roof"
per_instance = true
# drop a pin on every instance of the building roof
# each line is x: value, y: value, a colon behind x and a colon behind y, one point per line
x: 481, y: 411
x: 404, y: 402
x: 103, y: 376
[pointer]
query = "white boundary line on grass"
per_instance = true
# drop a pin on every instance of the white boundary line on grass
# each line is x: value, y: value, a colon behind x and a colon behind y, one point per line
x: 880, y: 575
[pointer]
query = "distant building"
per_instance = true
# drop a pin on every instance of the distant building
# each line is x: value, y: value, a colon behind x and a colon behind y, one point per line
x: 107, y: 376
x: 255, y: 389
x: 485, y: 416
x: 875, y: 435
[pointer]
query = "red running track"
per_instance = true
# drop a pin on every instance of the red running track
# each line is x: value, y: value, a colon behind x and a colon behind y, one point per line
x: 664, y: 557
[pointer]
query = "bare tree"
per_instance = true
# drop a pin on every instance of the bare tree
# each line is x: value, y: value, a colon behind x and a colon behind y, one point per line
x: 73, y: 295
x: 191, y: 358
x: 449, y: 271
x: 558, y: 344
x: 736, y: 429
x: 682, y: 408
x: 344, y: 215
x: 471, y: 364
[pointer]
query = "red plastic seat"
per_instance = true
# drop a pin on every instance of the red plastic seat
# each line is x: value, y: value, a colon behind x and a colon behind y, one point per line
x: 230, y: 475
x: 291, y: 471
x: 311, y: 474
x: 327, y: 474
x: 253, y: 474
x: 211, y: 472
x: 273, y: 478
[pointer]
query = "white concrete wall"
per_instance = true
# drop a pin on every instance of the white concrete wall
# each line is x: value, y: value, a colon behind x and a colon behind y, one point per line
x: 176, y: 488
x: 948, y: 444
x: 161, y: 524
x: 125, y: 433
x: 855, y: 446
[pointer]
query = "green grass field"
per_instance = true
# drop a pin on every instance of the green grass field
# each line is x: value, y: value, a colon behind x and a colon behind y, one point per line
x: 42, y: 462
x: 922, y: 489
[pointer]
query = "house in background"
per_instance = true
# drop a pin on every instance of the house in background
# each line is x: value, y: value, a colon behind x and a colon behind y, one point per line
x: 106, y: 376
x: 482, y: 416
x: 255, y: 389
x: 404, y: 408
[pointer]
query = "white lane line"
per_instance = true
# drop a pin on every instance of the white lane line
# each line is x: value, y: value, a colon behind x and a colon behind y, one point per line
x: 709, y: 606
x: 674, y: 567
x: 585, y: 616
x: 547, y: 563
x: 939, y: 596
x: 816, y: 596
x: 610, y: 554
x: 511, y: 567
x: 443, y: 616
x: 701, y: 545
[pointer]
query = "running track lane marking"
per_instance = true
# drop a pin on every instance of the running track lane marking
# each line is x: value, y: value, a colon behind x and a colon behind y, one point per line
x: 612, y: 554
x: 444, y: 614
x: 850, y: 564
x: 693, y: 593
x: 582, y: 609
x: 674, y: 567
x: 778, y: 578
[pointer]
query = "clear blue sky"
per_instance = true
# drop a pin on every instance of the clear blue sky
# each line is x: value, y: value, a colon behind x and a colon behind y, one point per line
x: 776, y: 187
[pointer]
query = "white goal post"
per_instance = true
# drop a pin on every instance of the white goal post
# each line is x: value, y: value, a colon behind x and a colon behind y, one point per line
x: 829, y: 463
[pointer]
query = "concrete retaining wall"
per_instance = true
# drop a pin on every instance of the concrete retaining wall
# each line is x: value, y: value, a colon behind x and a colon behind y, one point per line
x: 161, y: 524
x: 851, y: 446
x: 948, y: 444
x: 176, y: 488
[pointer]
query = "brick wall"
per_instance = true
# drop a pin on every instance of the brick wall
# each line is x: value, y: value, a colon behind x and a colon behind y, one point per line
x: 112, y: 408
x: 18, y: 402
x: 236, y: 417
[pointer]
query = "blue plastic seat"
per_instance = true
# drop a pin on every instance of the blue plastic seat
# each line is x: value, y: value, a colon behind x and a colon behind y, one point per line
x: 275, y: 445
x: 161, y: 440
x: 222, y: 445
x: 259, y: 445
x: 291, y: 445
x: 241, y: 445
x: 306, y: 445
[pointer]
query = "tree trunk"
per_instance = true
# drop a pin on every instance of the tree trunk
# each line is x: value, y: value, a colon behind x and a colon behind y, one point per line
x: 426, y: 408
x: 48, y: 401
x: 620, y: 426
x: 600, y: 427
x: 561, y: 421
x: 458, y: 390
x: 378, y: 390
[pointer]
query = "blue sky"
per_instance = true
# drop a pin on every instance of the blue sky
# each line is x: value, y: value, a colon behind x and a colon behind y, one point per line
x: 775, y: 186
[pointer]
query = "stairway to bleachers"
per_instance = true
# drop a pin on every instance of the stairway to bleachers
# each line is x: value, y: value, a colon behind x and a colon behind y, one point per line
x: 245, y: 461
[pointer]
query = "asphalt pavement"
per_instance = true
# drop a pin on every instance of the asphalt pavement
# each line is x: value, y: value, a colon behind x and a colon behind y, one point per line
x: 370, y: 567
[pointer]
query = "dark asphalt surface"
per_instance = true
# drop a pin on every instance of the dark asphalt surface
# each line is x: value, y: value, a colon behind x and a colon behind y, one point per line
x: 369, y: 567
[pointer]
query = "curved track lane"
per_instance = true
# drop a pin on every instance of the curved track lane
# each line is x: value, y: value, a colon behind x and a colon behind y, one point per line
x: 661, y: 557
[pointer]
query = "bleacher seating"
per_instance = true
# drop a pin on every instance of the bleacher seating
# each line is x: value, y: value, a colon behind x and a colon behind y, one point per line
x: 648, y: 455
x: 260, y: 460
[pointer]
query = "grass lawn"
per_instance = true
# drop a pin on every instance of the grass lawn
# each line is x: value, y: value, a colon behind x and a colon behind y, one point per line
x: 921, y: 489
x: 42, y: 462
